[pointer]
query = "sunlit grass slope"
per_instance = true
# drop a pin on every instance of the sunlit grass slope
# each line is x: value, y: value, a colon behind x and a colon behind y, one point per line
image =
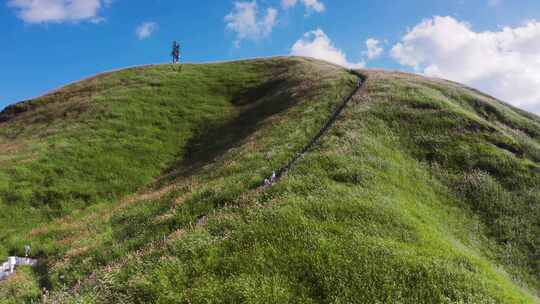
x: 423, y: 191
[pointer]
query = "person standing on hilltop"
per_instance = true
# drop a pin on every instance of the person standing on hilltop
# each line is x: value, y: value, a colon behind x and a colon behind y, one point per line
x: 176, y: 52
x: 173, y: 52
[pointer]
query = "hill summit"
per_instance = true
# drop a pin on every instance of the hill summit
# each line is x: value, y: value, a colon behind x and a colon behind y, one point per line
x: 146, y: 185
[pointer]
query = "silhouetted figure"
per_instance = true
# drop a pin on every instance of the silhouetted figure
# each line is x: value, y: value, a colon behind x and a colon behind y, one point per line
x: 175, y: 52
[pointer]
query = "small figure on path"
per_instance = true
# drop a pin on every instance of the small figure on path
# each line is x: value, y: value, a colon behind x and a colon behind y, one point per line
x: 26, y: 250
x: 274, y: 177
x: 12, y: 262
x: 44, y: 295
x: 267, y: 182
x: 175, y: 52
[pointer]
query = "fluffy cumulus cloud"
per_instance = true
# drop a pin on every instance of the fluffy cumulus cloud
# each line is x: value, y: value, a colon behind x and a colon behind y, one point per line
x: 146, y: 29
x: 317, y: 44
x: 43, y: 11
x: 247, y: 22
x: 374, y: 50
x: 311, y: 5
x: 504, y: 63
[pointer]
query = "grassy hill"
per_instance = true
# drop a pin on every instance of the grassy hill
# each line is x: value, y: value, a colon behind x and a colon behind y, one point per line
x: 143, y: 186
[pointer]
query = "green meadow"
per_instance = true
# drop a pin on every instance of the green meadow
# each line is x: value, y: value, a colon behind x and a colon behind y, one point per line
x: 143, y: 186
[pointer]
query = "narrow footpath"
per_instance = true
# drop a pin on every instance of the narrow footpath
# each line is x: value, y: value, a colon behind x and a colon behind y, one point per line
x: 283, y: 170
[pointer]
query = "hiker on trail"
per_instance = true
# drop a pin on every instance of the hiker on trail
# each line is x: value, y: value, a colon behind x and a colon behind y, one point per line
x: 26, y: 250
x: 267, y: 182
x: 175, y: 52
x: 12, y: 262
x: 274, y: 177
x: 44, y: 295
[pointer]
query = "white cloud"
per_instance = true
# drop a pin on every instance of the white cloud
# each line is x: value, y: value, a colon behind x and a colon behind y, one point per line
x: 374, y: 51
x: 316, y: 44
x: 311, y: 5
x: 146, y: 29
x: 245, y: 21
x: 43, y: 11
x: 505, y: 63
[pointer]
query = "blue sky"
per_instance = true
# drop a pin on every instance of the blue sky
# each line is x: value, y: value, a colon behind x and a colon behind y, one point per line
x: 49, y: 43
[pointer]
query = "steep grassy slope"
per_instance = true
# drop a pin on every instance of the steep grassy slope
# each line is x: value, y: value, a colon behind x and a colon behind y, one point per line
x: 88, y: 145
x: 103, y: 138
x: 422, y: 192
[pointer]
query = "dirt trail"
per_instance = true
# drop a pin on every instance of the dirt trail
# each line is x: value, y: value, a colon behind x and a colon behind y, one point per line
x: 283, y: 170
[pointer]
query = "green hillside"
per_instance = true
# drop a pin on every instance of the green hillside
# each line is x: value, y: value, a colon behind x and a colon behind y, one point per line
x: 144, y: 186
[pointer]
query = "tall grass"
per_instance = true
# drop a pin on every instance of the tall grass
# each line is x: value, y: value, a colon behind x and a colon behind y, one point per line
x: 416, y: 195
